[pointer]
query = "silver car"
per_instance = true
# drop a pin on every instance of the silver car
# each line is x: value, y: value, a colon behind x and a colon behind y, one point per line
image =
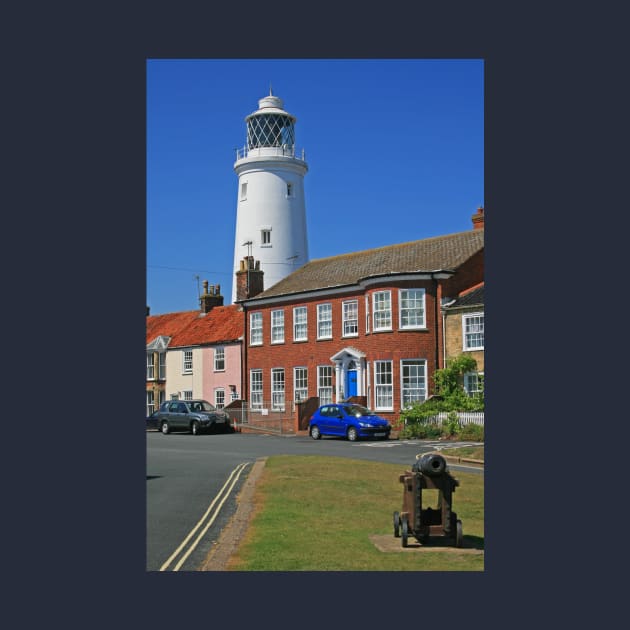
x: 195, y: 416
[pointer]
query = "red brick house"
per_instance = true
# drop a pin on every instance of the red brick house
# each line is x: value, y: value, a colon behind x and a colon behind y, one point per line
x: 365, y: 325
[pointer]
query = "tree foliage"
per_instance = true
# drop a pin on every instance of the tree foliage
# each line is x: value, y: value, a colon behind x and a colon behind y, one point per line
x: 449, y: 396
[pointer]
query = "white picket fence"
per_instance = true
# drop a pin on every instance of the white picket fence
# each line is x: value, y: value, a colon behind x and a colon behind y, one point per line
x: 464, y: 417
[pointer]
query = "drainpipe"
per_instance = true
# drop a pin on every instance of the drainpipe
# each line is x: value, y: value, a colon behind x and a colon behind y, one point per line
x: 444, y: 332
x: 437, y: 330
x: 244, y: 356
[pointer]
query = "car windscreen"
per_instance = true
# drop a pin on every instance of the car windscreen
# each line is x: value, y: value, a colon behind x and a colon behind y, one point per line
x: 357, y: 410
x: 206, y: 406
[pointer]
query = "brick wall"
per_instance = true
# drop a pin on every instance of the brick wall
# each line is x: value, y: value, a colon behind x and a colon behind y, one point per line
x: 394, y: 345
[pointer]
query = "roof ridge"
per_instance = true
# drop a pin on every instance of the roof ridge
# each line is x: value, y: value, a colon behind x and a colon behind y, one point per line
x: 394, y: 246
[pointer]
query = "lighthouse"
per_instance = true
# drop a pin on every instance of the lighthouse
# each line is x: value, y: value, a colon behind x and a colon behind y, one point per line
x: 270, y: 211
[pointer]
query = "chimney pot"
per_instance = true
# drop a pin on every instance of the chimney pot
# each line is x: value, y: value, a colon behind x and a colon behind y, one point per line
x: 478, y: 219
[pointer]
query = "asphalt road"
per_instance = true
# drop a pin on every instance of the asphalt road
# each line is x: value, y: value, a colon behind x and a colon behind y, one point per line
x: 193, y: 481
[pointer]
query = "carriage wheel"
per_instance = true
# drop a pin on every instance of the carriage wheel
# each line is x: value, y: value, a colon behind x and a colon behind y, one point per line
x: 405, y: 530
x: 396, y: 525
x: 459, y: 534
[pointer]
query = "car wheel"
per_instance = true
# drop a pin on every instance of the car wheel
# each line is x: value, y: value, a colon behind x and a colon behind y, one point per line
x: 404, y: 530
x: 353, y: 434
x: 194, y: 427
x: 164, y: 427
x: 315, y: 433
x: 396, y: 525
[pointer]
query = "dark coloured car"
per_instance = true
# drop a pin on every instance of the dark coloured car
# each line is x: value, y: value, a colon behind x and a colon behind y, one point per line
x: 152, y: 422
x: 194, y: 416
x: 348, y: 420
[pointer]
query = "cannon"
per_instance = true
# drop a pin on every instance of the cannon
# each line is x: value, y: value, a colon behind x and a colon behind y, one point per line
x: 429, y: 472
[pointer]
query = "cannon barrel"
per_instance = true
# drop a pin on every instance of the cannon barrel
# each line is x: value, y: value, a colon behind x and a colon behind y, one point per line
x: 431, y: 464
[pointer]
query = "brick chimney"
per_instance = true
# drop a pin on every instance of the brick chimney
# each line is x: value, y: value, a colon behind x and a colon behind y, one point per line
x: 211, y: 297
x: 477, y: 219
x: 249, y: 279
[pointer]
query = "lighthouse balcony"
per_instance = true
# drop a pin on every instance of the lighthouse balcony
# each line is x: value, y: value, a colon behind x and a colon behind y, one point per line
x: 279, y: 151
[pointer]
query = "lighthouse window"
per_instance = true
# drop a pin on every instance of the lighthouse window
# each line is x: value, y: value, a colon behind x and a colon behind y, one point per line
x: 289, y: 190
x: 265, y: 237
x: 244, y: 190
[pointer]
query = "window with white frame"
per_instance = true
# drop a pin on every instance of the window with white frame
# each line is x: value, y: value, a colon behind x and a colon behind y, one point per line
x: 412, y: 307
x: 256, y: 389
x: 162, y: 365
x: 187, y: 394
x: 233, y: 395
x: 413, y: 375
x: 350, y: 318
x: 161, y: 396
x: 150, y: 402
x: 367, y: 314
x: 473, y: 384
x: 299, y: 324
x: 324, y: 321
x: 383, y: 385
x: 255, y: 329
x: 150, y: 367
x: 277, y: 389
x: 277, y: 326
x: 219, y: 398
x: 219, y: 359
x: 382, y: 308
x: 324, y: 384
x: 472, y: 326
x: 300, y: 383
x: 243, y: 190
x: 265, y: 237
x: 187, y: 366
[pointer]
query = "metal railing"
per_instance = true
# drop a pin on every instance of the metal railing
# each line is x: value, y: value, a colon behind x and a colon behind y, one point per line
x: 283, y: 150
x: 264, y: 416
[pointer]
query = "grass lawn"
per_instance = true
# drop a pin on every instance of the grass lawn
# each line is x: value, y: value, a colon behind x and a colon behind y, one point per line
x: 318, y: 513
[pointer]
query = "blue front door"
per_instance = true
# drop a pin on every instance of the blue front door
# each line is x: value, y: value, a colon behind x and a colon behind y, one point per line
x: 351, y: 383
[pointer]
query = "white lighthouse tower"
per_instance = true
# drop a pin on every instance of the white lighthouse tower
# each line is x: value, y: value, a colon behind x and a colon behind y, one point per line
x: 270, y: 212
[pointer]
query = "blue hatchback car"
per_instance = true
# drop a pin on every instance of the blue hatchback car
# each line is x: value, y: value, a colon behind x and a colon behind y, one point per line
x: 348, y: 420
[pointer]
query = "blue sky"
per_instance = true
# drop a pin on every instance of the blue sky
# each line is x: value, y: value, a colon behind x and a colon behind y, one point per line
x: 394, y: 149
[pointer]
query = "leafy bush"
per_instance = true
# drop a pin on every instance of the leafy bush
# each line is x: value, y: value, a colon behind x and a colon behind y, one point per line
x: 418, y: 418
x: 452, y: 426
x: 472, y: 432
x: 421, y: 431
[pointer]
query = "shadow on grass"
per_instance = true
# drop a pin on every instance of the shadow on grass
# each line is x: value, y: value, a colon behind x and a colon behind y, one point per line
x: 469, y: 542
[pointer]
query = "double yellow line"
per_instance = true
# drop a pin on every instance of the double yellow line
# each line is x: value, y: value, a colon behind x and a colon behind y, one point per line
x: 225, y: 492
